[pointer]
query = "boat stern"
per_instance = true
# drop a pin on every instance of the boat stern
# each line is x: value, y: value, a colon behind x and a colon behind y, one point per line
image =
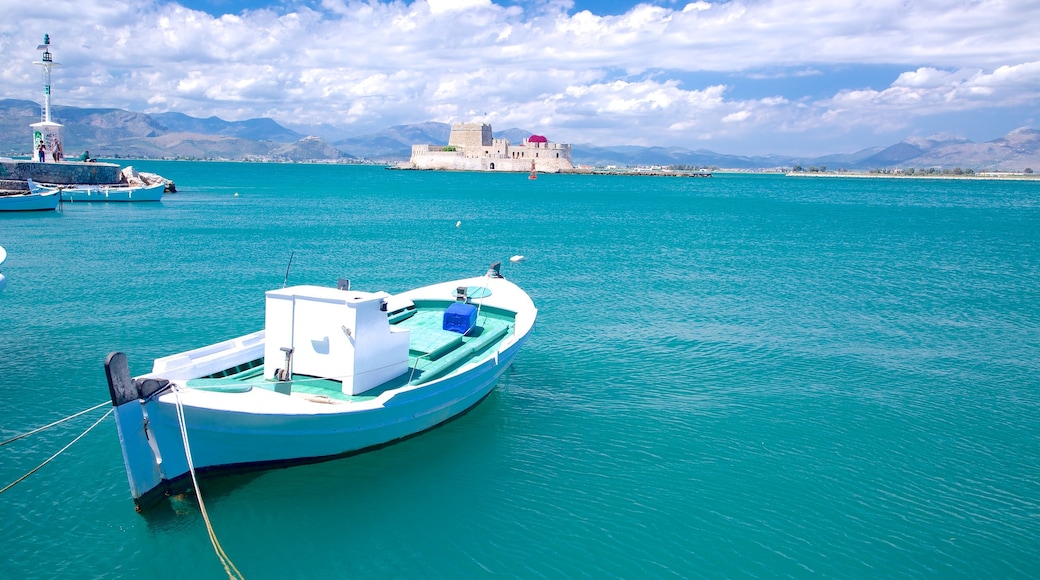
x: 141, y: 457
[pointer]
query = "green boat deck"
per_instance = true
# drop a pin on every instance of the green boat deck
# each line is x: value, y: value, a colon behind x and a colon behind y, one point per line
x: 433, y: 353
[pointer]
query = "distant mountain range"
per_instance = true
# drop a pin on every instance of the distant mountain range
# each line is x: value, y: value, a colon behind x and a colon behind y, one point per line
x: 115, y: 133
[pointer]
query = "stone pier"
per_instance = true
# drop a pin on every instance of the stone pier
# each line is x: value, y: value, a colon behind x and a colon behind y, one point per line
x: 15, y: 173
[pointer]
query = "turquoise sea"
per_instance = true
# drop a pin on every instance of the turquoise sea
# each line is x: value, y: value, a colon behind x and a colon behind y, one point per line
x: 737, y: 376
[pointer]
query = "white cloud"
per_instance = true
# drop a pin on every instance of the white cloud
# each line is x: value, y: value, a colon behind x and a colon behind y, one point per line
x: 445, y: 6
x: 612, y: 78
x: 948, y: 91
x: 736, y: 117
x: 696, y: 6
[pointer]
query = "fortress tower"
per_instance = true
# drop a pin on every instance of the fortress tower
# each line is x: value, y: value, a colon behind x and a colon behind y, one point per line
x: 471, y: 136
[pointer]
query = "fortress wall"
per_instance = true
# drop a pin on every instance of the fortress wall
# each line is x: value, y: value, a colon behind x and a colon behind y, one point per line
x: 542, y: 165
x: 445, y: 160
x: 455, y: 161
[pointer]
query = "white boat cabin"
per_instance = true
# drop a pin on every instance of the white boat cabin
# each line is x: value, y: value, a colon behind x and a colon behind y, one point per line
x: 339, y: 334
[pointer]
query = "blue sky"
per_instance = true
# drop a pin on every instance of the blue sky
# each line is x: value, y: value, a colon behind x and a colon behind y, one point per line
x: 792, y: 77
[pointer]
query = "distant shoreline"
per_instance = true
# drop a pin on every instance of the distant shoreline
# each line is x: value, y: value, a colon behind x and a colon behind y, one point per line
x: 977, y: 176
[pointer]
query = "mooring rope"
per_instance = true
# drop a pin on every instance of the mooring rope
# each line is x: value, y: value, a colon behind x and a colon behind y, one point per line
x: 37, y: 468
x: 487, y: 282
x: 17, y: 437
x: 229, y: 566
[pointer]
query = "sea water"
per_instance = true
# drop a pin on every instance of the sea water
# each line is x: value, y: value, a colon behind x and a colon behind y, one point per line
x: 736, y: 376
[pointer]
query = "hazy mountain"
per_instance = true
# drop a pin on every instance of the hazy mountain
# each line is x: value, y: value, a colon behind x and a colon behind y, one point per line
x: 119, y: 133
x: 395, y: 143
x: 198, y: 146
x: 847, y: 159
x: 327, y: 132
x: 635, y: 155
x: 515, y: 136
x: 1016, y: 150
x: 893, y: 155
x: 906, y: 151
x: 15, y: 117
x: 307, y: 149
x: 83, y: 127
x: 256, y: 129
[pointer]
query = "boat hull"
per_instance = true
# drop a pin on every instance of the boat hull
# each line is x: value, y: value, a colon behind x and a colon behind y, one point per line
x: 45, y: 201
x: 113, y: 193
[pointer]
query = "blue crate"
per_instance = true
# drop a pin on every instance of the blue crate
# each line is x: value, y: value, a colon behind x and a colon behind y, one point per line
x: 460, y: 317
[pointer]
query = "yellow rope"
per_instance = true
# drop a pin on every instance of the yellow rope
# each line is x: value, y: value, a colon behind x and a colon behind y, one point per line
x: 17, y: 437
x: 37, y: 468
x: 225, y: 561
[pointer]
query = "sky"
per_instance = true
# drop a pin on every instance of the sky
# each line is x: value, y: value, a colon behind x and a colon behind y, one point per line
x: 752, y: 77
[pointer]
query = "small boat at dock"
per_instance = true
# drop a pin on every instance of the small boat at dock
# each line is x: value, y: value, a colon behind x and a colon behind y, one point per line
x: 119, y: 192
x: 333, y: 372
x: 40, y: 199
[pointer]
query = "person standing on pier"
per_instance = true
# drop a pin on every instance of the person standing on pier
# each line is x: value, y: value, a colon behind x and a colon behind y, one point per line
x: 42, y: 152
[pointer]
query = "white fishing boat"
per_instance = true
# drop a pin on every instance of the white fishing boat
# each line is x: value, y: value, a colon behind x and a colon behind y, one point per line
x: 41, y: 199
x: 334, y: 372
x: 119, y: 192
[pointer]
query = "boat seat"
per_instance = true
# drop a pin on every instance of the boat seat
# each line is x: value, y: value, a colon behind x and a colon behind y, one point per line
x: 441, y: 366
x: 433, y: 342
x: 403, y: 314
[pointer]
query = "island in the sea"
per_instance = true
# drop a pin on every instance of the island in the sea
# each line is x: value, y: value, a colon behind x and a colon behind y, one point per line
x: 471, y: 147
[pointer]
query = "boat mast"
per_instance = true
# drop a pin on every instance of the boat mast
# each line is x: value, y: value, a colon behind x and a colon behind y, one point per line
x: 46, y: 62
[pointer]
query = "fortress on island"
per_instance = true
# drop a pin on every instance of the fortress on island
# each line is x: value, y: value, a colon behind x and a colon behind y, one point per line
x: 472, y: 148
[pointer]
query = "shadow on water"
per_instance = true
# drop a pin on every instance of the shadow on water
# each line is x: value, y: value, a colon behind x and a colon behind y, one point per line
x: 169, y: 511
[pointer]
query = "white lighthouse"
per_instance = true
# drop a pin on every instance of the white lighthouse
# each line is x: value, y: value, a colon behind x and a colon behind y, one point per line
x: 47, y: 138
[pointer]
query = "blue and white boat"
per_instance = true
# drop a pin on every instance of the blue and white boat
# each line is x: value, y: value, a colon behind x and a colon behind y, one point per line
x: 334, y: 372
x: 120, y: 192
x: 40, y: 199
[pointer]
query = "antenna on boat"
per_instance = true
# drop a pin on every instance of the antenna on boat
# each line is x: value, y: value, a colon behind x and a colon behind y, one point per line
x: 286, y: 280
